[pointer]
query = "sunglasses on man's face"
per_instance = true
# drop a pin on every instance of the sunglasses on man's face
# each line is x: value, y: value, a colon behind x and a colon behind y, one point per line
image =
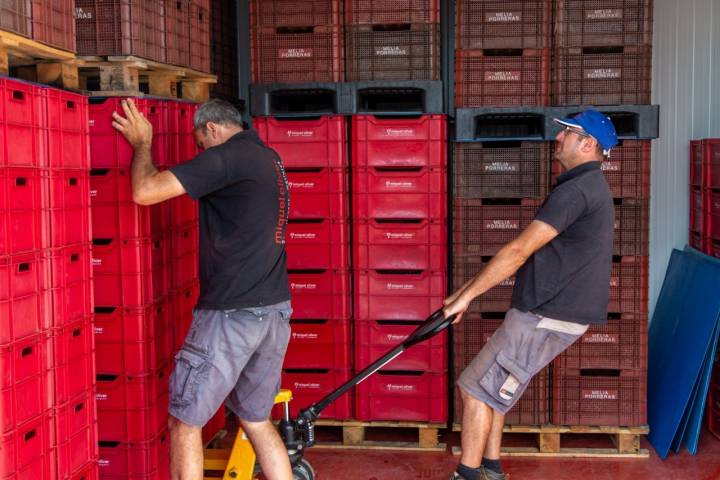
x: 577, y: 132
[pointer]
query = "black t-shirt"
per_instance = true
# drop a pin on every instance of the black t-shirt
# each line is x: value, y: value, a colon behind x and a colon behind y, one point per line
x: 569, y: 278
x: 244, y: 202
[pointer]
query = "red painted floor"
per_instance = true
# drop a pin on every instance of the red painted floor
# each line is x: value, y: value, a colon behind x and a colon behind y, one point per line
x: 395, y: 465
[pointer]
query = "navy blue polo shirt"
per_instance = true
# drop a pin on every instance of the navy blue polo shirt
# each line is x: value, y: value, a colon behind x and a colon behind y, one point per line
x: 569, y: 278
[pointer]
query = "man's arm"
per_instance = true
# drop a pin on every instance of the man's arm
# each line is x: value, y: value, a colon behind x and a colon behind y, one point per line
x: 506, y: 262
x: 149, y: 185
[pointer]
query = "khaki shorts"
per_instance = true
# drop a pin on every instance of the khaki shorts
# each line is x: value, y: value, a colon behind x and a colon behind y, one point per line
x: 231, y: 356
x: 500, y: 373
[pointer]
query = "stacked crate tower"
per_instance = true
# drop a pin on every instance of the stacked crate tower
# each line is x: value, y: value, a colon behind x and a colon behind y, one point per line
x: 47, y: 427
x: 145, y: 270
x: 602, y: 56
x: 502, y: 60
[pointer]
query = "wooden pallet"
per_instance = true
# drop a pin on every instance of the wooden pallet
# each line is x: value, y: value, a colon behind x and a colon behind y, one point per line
x: 34, y: 61
x: 354, y: 435
x: 122, y: 76
x: 626, y: 441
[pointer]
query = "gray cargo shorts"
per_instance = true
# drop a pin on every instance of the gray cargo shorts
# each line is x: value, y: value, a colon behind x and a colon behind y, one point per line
x: 231, y: 356
x: 500, y: 373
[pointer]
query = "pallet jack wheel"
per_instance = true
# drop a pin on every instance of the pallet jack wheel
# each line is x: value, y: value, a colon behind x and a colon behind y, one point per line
x: 303, y: 471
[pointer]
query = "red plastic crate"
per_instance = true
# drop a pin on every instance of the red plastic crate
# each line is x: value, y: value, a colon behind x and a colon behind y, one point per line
x: 68, y: 226
x: 306, y: 143
x: 23, y: 281
x: 320, y: 295
x: 297, y: 55
x: 319, y: 344
x: 713, y: 217
x: 406, y: 396
x: 184, y: 210
x: 128, y: 220
x: 76, y: 457
x: 70, y: 283
x: 503, y: 24
x: 713, y: 248
x: 397, y: 296
x: 629, y: 285
x: 214, y: 425
x: 394, y: 142
x: 420, y: 245
x: 23, y: 124
x: 581, y: 397
x: 67, y: 189
x: 502, y: 78
x: 89, y: 471
x: 53, y: 23
x: 502, y: 169
x: 200, y: 36
x: 187, y: 148
x: 711, y: 146
x: 74, y: 433
x: 409, y: 206
x: 28, y: 456
x: 133, y: 425
x: 588, y: 23
x: 118, y: 324
x: 72, y: 341
x: 134, y: 460
x: 182, y: 326
x: 185, y: 269
x: 131, y: 391
x: 288, y: 13
x: 16, y: 17
x: 108, y: 148
x: 374, y: 339
x: 73, y: 378
x: 185, y: 299
x: 404, y: 51
x: 616, y: 76
x: 109, y: 185
x: 698, y: 166
x: 135, y: 358
x: 482, y: 228
x: 319, y: 244
x: 68, y: 129
x: 698, y: 211
x: 318, y: 193
x: 631, y: 228
x: 134, y: 290
x: 497, y: 299
x: 399, y: 193
x: 113, y: 256
x: 374, y: 12
x: 697, y: 241
x: 185, y: 240
x: 310, y: 386
x: 23, y: 220
x: 158, y: 114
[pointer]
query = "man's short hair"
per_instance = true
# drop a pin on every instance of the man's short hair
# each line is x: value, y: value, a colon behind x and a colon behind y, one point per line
x: 216, y: 111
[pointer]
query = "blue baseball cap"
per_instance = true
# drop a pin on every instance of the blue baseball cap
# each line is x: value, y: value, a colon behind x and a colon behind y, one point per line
x: 595, y: 124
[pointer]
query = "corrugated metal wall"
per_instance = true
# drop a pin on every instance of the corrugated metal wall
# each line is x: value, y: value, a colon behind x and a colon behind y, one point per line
x: 686, y: 85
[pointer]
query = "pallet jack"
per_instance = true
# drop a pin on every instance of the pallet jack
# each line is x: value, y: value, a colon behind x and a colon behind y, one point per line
x: 238, y: 463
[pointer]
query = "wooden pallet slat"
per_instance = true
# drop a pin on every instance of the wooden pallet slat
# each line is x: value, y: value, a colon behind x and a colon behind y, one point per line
x: 354, y: 435
x: 35, y: 61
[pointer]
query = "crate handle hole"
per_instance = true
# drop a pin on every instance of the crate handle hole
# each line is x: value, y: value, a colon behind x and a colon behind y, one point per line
x: 26, y: 351
x: 79, y: 407
x: 70, y: 105
x: 21, y: 182
x: 74, y: 257
x: 24, y: 267
x: 73, y: 182
x: 30, y: 435
x: 77, y: 332
x: 18, y: 95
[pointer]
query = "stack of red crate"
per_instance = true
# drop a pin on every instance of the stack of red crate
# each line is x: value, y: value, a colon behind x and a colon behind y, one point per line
x: 145, y: 277
x: 399, y: 262
x: 502, y: 55
x: 705, y: 195
x: 314, y: 153
x: 296, y: 42
x: 46, y: 344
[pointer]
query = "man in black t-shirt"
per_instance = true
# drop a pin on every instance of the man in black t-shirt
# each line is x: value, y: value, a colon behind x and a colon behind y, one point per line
x: 564, y: 258
x: 235, y: 346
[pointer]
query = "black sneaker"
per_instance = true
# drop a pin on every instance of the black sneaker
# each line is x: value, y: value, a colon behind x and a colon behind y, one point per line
x: 493, y: 475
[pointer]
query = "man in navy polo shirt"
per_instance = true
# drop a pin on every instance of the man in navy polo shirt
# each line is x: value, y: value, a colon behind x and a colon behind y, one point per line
x: 563, y: 260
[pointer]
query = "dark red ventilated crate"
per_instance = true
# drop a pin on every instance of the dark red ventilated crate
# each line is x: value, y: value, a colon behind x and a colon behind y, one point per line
x: 393, y: 295
x: 406, y: 396
x: 497, y: 299
x: 502, y: 169
x: 120, y: 27
x: 373, y: 339
x: 200, y: 35
x: 29, y: 448
x: 308, y: 386
x: 697, y: 241
x: 318, y: 192
x: 134, y: 358
x: 422, y: 243
x: 711, y: 146
x: 503, y: 24
x: 306, y: 143
x: 320, y: 294
x: 16, y: 16
x: 482, y: 228
x: 713, y: 248
x: 319, y: 344
x: 23, y: 280
x: 375, y: 12
x: 599, y: 397
x: 589, y: 23
x: 67, y: 117
x: 177, y: 32
x: 629, y: 285
x: 619, y: 344
x: 502, y: 78
x: 118, y: 324
x: 23, y: 120
x: 297, y: 54
x: 405, y: 51
x: 317, y: 244
x: 399, y: 142
x: 699, y: 209
x: 289, y: 13
x: 53, y: 23
x: 70, y: 283
x: 23, y: 216
x: 627, y: 169
x: 612, y: 76
x: 631, y: 228
x: 712, y: 218
x: 74, y: 442
x: 108, y: 148
x: 140, y: 460
x: 698, y: 166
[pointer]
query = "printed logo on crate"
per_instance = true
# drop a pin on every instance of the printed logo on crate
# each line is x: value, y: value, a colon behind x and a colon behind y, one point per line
x: 601, y: 338
x: 614, y: 282
x: 501, y: 167
x: 298, y: 185
x: 604, y: 14
x: 600, y: 394
x: 306, y: 385
x: 295, y: 53
x: 300, y: 133
x: 610, y: 166
x: 303, y: 286
x: 508, y: 282
x: 399, y: 286
x: 303, y: 236
x: 395, y: 337
x: 603, y: 73
x: 305, y: 336
x: 399, y: 235
x: 399, y: 184
x: 511, y: 76
x: 395, y: 387
x: 400, y: 132
x: 503, y: 17
x: 503, y: 225
x: 387, y: 51
x: 81, y: 14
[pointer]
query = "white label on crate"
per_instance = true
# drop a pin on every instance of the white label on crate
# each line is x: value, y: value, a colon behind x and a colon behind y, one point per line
x: 307, y: 185
x: 616, y: 225
x: 394, y: 337
x: 610, y: 166
x: 502, y: 225
x: 603, y: 73
x: 300, y: 133
x: 600, y: 338
x: 307, y: 386
x: 599, y: 394
x: 93, y: 193
x: 400, y: 286
x: 91, y: 123
x: 96, y: 262
x: 503, y: 17
x: 399, y: 236
x: 303, y: 286
x: 392, y: 387
x: 81, y: 14
x: 399, y: 132
x: 103, y: 462
x: 99, y: 330
x: 614, y: 282
x: 508, y: 282
x: 389, y: 50
x: 396, y: 184
x: 101, y: 397
x: 500, y: 167
x: 604, y: 14
x: 295, y: 53
x: 511, y: 76
x: 305, y: 336
x: 303, y: 236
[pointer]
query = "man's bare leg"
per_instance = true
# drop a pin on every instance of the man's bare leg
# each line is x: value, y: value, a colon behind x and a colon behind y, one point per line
x: 269, y: 448
x: 492, y: 447
x: 186, y: 451
x: 477, y: 422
